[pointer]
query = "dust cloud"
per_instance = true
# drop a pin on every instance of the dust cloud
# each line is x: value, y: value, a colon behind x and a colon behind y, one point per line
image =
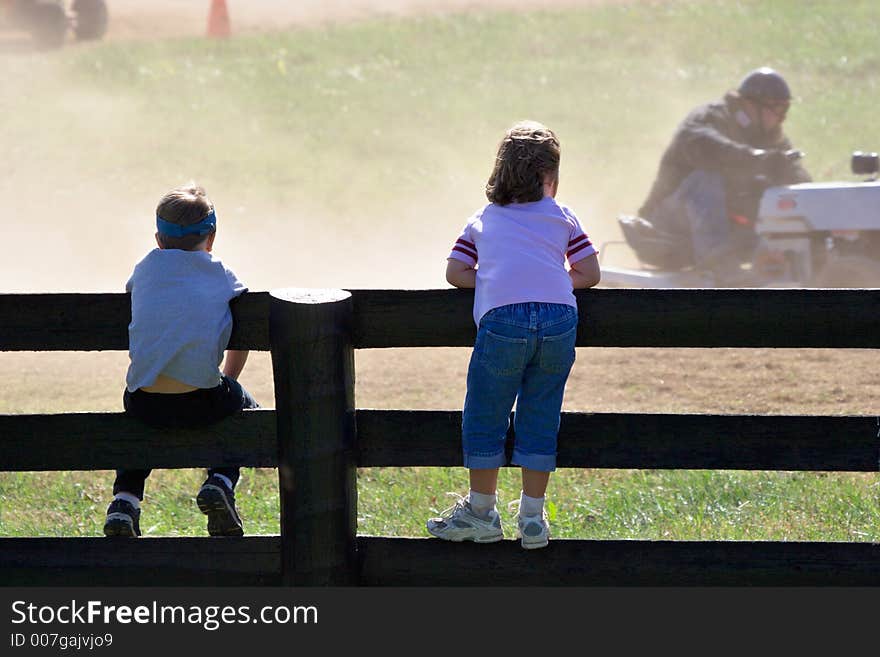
x: 75, y: 220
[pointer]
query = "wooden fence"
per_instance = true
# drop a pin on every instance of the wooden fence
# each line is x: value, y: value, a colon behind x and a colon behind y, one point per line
x: 317, y: 438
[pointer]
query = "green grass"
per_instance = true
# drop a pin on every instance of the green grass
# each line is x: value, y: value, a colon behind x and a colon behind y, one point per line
x: 598, y: 504
x: 399, y: 118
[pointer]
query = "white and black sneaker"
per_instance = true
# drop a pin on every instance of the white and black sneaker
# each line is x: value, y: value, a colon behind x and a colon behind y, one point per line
x: 459, y: 523
x: 123, y: 519
x: 217, y: 501
x: 533, y: 531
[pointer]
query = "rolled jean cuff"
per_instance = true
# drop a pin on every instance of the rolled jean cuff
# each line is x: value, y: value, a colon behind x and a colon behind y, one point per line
x: 539, y: 462
x: 484, y: 462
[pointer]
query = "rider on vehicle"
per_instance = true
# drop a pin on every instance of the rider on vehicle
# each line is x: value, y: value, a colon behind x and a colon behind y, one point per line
x: 711, y: 176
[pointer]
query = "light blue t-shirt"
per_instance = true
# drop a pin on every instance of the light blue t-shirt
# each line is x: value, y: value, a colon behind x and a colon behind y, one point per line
x: 180, y: 317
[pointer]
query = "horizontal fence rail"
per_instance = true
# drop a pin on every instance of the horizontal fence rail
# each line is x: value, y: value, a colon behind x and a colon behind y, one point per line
x: 99, y: 322
x: 390, y: 438
x: 105, y: 441
x: 400, y: 562
x: 311, y: 337
x: 178, y: 561
x: 784, y: 318
x: 384, y: 561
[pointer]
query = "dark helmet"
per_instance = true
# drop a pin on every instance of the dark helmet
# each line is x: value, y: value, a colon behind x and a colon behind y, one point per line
x: 763, y: 85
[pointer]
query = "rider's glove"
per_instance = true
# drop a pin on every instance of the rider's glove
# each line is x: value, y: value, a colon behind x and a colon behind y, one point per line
x: 772, y: 163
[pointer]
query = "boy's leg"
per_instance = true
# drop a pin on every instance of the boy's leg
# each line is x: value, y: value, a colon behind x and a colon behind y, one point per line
x: 216, y: 497
x: 231, y: 475
x: 131, y: 481
x: 124, y: 512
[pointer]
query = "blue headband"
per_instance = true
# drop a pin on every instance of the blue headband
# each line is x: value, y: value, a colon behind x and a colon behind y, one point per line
x: 205, y: 226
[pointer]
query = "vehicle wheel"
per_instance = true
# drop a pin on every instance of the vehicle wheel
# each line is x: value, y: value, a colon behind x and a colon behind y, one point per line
x: 849, y: 271
x: 47, y: 22
x: 90, y: 19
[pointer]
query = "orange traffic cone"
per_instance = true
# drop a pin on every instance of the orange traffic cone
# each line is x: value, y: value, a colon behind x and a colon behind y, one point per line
x: 218, y: 20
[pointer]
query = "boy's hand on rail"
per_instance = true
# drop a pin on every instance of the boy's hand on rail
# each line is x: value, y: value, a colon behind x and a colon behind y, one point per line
x: 234, y: 363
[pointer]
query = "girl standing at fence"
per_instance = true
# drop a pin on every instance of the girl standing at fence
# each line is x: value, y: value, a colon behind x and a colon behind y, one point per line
x: 513, y: 252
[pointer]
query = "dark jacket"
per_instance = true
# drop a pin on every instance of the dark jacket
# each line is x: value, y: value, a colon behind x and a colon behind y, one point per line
x: 711, y: 138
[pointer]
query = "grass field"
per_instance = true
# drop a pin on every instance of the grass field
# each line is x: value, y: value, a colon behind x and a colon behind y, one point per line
x: 350, y: 155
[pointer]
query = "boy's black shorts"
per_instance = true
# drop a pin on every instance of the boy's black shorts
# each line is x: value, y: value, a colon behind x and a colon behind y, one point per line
x: 188, y: 409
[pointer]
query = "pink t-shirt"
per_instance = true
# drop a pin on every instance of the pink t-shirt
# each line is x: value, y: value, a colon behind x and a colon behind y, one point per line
x: 520, y: 250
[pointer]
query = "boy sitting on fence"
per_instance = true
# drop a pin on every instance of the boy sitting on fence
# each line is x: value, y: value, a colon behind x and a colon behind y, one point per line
x: 180, y: 326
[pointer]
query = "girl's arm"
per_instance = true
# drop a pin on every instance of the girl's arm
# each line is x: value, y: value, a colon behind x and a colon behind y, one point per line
x: 234, y: 363
x: 460, y: 274
x: 585, y: 272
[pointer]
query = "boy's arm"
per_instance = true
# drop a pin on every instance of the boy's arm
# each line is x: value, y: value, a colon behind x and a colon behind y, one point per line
x: 460, y: 274
x: 585, y: 272
x: 234, y: 363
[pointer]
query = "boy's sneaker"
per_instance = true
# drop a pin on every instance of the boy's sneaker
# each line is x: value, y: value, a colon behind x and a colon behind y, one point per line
x: 123, y: 519
x: 533, y: 531
x: 217, y: 501
x: 459, y: 523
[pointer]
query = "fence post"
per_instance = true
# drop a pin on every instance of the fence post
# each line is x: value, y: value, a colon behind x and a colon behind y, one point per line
x: 310, y: 334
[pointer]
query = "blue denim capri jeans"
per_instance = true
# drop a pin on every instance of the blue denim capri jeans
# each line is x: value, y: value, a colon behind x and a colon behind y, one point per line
x: 523, y: 353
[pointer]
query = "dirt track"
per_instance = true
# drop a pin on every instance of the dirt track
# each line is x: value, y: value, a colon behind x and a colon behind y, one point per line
x: 130, y: 19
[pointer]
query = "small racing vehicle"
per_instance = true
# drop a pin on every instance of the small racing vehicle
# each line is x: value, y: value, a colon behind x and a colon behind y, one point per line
x: 817, y: 234
x: 49, y: 21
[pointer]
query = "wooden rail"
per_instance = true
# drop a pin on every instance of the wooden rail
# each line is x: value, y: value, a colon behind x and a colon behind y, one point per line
x: 317, y: 438
x: 385, y: 438
x: 783, y: 318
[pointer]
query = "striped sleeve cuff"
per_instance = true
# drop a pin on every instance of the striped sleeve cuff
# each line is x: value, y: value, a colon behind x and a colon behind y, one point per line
x: 465, y: 251
x: 579, y: 248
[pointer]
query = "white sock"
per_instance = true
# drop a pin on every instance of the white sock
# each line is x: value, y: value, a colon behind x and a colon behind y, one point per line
x: 481, y: 503
x: 530, y: 506
x: 226, y: 480
x: 128, y: 497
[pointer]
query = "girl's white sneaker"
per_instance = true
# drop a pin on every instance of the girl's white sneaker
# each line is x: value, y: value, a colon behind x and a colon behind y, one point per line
x: 459, y: 523
x: 534, y: 532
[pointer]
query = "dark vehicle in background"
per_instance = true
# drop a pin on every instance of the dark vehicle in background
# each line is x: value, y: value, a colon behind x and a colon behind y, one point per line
x: 49, y: 21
